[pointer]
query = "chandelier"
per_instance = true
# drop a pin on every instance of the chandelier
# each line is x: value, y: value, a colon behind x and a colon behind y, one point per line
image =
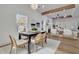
x: 34, y: 6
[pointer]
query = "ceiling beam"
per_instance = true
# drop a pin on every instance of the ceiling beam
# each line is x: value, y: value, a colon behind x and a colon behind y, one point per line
x: 70, y: 6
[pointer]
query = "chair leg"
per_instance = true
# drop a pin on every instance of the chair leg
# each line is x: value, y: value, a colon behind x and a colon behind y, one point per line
x: 15, y: 50
x: 42, y: 44
x: 11, y: 50
x: 35, y: 47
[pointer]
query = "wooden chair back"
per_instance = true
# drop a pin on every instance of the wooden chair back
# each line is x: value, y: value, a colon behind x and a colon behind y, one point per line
x: 13, y: 41
x: 38, y: 38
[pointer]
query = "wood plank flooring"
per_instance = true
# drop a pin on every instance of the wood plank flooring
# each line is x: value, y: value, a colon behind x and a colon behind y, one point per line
x: 67, y: 45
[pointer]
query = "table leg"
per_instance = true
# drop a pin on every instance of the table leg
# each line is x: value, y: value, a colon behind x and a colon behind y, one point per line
x: 29, y: 43
x: 46, y: 39
x: 19, y: 36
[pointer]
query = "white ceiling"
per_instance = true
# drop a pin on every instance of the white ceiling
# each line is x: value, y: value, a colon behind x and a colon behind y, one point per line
x: 46, y: 7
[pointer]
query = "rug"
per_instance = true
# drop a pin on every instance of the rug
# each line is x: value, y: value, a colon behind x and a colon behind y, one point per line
x: 49, y: 48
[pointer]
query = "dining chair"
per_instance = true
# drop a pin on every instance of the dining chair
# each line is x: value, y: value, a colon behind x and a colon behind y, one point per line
x: 38, y: 40
x: 44, y: 38
x: 16, y: 43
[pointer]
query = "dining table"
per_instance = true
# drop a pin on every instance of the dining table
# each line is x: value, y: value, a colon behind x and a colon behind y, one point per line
x: 29, y: 35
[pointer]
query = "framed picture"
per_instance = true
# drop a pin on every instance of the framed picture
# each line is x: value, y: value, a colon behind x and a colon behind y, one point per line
x: 21, y: 21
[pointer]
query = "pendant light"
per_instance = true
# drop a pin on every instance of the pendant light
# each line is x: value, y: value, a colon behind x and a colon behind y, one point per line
x: 34, y: 6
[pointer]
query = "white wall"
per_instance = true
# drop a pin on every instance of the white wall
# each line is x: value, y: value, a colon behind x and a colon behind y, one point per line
x: 8, y: 19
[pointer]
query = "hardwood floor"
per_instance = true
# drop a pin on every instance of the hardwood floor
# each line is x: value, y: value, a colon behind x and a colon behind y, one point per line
x: 67, y: 45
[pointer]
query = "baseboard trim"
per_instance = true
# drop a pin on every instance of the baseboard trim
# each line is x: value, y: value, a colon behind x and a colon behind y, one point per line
x: 4, y: 45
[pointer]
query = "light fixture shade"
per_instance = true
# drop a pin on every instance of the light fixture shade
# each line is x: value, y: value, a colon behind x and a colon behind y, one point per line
x: 34, y: 6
